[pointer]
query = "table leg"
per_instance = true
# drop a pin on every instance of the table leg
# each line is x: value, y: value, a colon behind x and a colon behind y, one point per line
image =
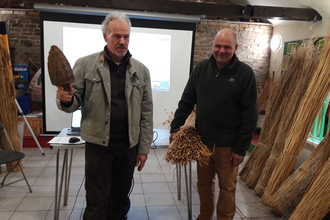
x: 188, y: 190
x: 56, y: 186
x: 67, y: 180
x: 178, y: 180
x: 58, y: 192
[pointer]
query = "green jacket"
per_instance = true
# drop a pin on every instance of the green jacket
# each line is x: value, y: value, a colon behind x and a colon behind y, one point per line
x: 92, y: 93
x: 226, y: 104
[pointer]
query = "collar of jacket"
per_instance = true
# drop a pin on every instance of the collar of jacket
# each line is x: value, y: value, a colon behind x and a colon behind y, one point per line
x: 230, y: 65
x: 105, y: 56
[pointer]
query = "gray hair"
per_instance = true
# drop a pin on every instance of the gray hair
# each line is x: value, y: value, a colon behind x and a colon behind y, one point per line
x: 114, y: 16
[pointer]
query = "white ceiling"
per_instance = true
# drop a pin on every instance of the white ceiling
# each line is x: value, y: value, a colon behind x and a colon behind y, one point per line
x: 321, y: 6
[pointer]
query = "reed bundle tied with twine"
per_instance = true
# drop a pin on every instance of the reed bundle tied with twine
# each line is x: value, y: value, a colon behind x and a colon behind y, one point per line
x: 302, y: 65
x: 264, y: 96
x: 292, y: 190
x: 315, y: 204
x: 261, y: 152
x: 255, y: 164
x: 8, y: 109
x: 306, y: 113
x: 187, y: 147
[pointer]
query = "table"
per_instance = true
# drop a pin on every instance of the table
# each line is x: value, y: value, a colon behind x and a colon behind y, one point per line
x: 66, y: 171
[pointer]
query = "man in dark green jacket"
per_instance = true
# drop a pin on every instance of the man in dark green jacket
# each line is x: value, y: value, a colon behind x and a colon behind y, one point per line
x: 225, y: 93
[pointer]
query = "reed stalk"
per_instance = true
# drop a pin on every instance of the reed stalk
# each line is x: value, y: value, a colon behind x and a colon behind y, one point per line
x: 306, y: 113
x: 292, y: 190
x: 265, y: 95
x: 274, y: 117
x: 8, y: 109
x: 315, y: 204
x: 187, y: 147
x: 301, y: 66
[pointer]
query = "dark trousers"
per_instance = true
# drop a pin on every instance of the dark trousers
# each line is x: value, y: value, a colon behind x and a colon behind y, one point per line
x: 109, y: 172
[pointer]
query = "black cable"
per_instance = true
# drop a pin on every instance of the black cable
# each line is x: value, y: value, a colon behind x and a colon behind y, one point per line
x: 131, y: 187
x: 153, y: 141
x: 75, y: 201
x: 129, y: 201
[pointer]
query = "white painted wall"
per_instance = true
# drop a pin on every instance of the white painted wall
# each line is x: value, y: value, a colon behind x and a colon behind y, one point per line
x: 295, y: 30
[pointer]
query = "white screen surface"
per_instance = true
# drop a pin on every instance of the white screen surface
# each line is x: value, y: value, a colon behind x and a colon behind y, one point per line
x: 140, y: 39
x: 76, y: 116
x: 166, y: 53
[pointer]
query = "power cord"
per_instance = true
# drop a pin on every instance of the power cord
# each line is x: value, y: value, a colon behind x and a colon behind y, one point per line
x: 75, y: 201
x: 153, y: 141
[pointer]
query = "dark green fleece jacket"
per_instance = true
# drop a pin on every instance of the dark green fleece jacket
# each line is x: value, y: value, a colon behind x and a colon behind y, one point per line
x: 227, y: 108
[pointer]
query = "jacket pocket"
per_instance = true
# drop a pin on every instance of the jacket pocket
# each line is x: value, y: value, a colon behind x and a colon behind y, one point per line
x: 137, y: 90
x: 94, y: 88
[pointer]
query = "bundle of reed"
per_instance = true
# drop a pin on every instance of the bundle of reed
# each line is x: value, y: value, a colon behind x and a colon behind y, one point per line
x: 291, y: 191
x: 302, y: 65
x: 191, y: 119
x: 8, y: 109
x: 262, y: 151
x: 265, y: 95
x: 256, y: 162
x: 311, y: 103
x: 315, y: 204
x: 187, y: 147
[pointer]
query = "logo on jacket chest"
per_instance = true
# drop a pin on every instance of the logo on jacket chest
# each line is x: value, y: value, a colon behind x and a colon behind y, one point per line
x: 231, y: 80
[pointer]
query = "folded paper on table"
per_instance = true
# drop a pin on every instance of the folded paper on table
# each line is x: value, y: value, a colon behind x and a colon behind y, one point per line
x: 64, y: 140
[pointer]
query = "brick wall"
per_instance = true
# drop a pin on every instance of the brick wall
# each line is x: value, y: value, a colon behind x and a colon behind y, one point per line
x: 253, y: 39
x: 24, y: 37
x: 253, y: 44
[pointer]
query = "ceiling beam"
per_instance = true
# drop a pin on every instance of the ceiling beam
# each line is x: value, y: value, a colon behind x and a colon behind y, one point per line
x: 300, y: 14
x: 205, y: 9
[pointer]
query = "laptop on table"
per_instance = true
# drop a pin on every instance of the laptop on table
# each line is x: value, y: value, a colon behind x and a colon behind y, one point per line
x: 75, y: 123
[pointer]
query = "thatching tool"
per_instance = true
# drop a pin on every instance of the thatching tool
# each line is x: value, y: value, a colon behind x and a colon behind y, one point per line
x: 59, y: 69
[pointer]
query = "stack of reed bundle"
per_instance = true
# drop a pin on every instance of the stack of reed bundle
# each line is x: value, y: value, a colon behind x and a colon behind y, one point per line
x: 265, y: 95
x: 8, y: 108
x: 187, y: 147
x: 302, y: 65
x: 306, y: 113
x: 315, y: 204
x: 261, y: 152
x: 295, y: 186
x: 256, y: 162
x: 259, y: 155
